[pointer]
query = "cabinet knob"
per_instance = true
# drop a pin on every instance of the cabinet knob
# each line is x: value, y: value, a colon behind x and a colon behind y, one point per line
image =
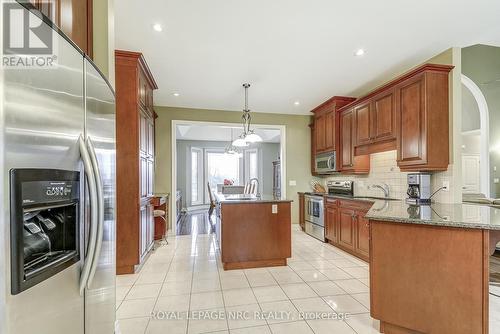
x: 351, y: 165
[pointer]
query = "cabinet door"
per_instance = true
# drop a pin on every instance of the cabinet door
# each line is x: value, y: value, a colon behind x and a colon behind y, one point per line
x: 410, y: 110
x: 143, y: 230
x: 346, y: 140
x: 346, y: 228
x: 143, y: 133
x: 151, y: 138
x: 362, y: 235
x: 143, y: 170
x: 383, y: 111
x: 150, y: 177
x: 330, y: 131
x: 331, y: 223
x: 319, y: 129
x: 362, y: 124
x: 150, y: 225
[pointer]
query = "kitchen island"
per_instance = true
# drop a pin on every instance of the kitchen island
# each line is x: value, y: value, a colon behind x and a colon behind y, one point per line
x: 253, y: 231
x: 429, y: 267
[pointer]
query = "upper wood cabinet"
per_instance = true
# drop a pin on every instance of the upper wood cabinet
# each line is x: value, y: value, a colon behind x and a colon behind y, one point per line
x: 325, y: 129
x: 348, y: 162
x: 320, y: 131
x: 363, y: 124
x: 135, y: 119
x: 422, y: 117
x: 375, y: 123
x: 73, y: 17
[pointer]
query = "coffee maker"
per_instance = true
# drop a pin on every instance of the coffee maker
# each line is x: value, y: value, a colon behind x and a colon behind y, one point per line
x: 419, y: 188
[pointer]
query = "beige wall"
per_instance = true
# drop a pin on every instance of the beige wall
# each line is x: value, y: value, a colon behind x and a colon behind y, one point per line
x: 104, y: 37
x: 298, y: 145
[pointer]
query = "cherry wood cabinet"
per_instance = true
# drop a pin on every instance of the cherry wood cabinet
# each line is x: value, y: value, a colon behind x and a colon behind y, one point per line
x: 320, y: 133
x: 325, y: 128
x: 346, y: 226
x: 362, y: 246
x: 331, y: 220
x: 375, y: 123
x: 363, y: 124
x: 409, y: 114
x: 134, y: 160
x: 348, y: 162
x: 73, y: 17
x: 422, y: 117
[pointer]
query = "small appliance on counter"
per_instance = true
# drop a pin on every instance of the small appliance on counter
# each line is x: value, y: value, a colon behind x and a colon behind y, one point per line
x: 341, y: 188
x: 419, y: 188
x: 326, y: 163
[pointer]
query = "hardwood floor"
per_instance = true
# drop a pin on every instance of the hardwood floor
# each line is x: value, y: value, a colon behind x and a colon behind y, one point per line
x: 193, y: 223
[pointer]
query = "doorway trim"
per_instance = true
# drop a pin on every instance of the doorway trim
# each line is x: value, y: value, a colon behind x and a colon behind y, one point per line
x: 484, y: 133
x: 173, y: 190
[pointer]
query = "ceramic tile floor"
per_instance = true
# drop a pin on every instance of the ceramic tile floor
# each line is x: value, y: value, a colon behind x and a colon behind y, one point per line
x: 185, y: 280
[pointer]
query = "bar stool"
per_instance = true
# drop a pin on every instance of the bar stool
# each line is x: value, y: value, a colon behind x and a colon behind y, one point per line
x: 162, y: 214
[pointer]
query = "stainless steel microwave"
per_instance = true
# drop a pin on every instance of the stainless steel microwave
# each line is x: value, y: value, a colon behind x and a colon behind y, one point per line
x: 325, y: 163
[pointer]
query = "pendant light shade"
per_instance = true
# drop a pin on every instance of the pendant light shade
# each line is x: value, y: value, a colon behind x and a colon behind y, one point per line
x: 240, y: 142
x: 252, y: 137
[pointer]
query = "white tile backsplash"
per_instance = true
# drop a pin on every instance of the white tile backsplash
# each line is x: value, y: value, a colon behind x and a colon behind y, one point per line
x: 384, y: 169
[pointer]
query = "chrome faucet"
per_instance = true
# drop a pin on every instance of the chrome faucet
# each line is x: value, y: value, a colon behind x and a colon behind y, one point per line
x: 384, y: 187
x: 257, y: 193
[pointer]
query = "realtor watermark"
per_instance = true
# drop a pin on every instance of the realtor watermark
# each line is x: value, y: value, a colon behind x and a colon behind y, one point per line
x: 248, y: 315
x: 28, y: 42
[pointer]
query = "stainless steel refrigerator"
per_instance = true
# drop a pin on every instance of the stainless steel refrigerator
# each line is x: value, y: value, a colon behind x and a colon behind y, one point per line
x: 57, y: 231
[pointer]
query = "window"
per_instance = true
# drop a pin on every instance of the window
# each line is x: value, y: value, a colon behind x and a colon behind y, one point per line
x: 196, y: 176
x: 220, y: 166
x: 252, y: 165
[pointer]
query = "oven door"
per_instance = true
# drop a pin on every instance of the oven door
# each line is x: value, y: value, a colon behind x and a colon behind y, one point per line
x: 314, y: 210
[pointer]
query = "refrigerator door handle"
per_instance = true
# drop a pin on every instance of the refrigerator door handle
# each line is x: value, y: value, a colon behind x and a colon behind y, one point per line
x: 100, y: 212
x: 89, y: 173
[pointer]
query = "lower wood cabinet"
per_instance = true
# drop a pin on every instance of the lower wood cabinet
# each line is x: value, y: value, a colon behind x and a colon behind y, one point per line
x: 146, y: 228
x: 346, y: 226
x: 346, y: 231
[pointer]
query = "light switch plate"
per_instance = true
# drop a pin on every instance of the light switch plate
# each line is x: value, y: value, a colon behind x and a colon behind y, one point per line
x: 496, y: 180
x: 274, y: 208
x: 292, y: 183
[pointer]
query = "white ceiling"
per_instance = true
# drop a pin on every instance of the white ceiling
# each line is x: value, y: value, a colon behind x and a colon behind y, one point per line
x: 222, y: 132
x: 291, y: 50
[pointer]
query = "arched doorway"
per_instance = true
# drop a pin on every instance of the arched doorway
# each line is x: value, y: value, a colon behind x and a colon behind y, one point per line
x: 484, y: 156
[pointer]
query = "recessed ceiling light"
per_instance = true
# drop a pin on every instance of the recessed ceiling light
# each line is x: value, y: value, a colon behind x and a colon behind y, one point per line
x: 157, y: 27
x: 296, y: 103
x: 359, y: 52
x: 176, y: 94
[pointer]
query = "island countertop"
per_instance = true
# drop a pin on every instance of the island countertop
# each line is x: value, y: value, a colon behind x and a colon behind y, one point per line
x: 458, y: 215
x: 242, y: 198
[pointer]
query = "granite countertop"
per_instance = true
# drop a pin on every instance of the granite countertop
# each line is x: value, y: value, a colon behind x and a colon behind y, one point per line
x: 461, y: 215
x: 437, y: 214
x: 240, y: 198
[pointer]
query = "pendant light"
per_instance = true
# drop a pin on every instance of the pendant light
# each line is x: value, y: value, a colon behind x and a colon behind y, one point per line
x: 230, y: 148
x: 248, y: 135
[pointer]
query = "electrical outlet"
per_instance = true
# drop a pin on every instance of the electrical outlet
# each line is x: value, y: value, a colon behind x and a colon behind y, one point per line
x: 446, y: 185
x: 496, y: 180
x: 274, y: 208
x: 292, y: 183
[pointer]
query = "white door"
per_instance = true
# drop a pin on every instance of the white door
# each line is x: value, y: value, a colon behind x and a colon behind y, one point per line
x: 470, y: 173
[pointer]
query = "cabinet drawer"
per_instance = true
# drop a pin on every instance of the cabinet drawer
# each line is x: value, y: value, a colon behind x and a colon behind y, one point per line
x: 355, y: 205
x: 331, y: 201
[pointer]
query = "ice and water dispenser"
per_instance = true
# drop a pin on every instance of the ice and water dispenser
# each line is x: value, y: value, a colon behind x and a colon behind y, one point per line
x: 45, y: 215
